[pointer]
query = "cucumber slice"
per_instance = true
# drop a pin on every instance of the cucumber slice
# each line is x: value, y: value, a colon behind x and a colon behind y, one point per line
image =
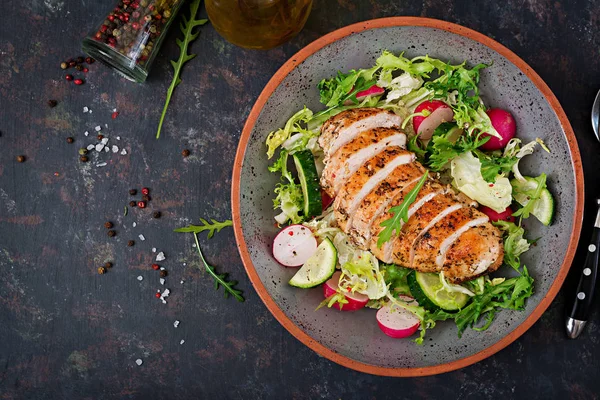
x: 318, y: 268
x: 429, y: 292
x: 309, y: 181
x: 543, y: 208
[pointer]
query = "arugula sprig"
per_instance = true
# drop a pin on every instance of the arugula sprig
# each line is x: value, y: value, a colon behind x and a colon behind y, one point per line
x: 212, y: 227
x: 189, y: 35
x: 400, y: 213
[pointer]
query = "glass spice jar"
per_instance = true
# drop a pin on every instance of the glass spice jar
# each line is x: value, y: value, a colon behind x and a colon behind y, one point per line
x: 130, y: 36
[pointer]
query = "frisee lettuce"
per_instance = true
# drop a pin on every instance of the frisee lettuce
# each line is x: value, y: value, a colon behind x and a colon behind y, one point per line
x: 515, y: 243
x: 278, y: 137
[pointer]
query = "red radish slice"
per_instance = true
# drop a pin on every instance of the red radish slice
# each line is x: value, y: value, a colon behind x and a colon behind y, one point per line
x: 506, y: 215
x: 372, y: 91
x: 294, y: 245
x: 356, y: 301
x: 325, y: 200
x: 439, y: 112
x: 505, y: 125
x: 397, y: 322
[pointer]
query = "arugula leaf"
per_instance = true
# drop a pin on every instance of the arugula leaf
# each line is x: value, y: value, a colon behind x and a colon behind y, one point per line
x: 211, y: 227
x: 220, y: 279
x: 400, y: 213
x: 533, y: 196
x: 514, y: 243
x: 189, y: 35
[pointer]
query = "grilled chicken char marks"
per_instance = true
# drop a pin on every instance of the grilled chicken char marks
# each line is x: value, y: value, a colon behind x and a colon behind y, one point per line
x: 351, y: 156
x: 476, y: 252
x: 343, y: 127
x: 376, y: 202
x: 365, y: 179
x: 430, y: 248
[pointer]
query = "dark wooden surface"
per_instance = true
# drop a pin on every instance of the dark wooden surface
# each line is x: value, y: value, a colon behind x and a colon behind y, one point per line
x: 68, y: 333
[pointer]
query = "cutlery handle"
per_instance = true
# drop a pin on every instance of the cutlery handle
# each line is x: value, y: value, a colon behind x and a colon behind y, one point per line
x: 587, y: 282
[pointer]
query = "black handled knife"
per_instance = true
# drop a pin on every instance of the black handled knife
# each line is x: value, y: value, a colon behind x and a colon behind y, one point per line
x: 584, y: 295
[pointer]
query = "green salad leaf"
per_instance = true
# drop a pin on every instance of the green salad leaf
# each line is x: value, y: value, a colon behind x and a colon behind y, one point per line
x: 514, y: 243
x: 532, y: 195
x: 278, y: 137
x: 492, y: 165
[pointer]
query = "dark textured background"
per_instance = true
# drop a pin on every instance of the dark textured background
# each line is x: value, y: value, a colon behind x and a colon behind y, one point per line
x: 68, y: 333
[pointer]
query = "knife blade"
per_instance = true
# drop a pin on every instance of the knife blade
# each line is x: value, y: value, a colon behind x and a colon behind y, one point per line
x: 583, y: 298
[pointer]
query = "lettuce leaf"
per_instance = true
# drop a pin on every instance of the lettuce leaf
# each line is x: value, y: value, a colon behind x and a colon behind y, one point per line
x: 514, y: 243
x: 278, y: 137
x: 361, y: 274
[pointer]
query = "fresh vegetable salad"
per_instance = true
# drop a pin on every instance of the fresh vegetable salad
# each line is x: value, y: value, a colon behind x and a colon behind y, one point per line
x: 458, y: 141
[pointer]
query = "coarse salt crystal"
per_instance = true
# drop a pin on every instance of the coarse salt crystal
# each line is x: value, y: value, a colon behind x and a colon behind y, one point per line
x: 176, y: 323
x: 142, y: 238
x: 160, y: 256
x: 184, y: 264
x: 164, y: 295
x: 162, y: 268
x: 162, y: 281
x: 106, y: 125
x: 154, y: 249
x: 182, y: 341
x: 114, y: 110
x: 181, y: 282
x: 139, y: 361
x: 90, y: 111
x: 134, y: 224
x: 106, y: 149
x: 104, y: 140
x: 123, y: 152
x: 91, y: 146
x: 115, y: 149
x: 140, y: 278
x: 118, y: 138
x: 102, y: 164
x: 99, y: 147
x: 85, y: 109
x: 86, y: 133
x: 98, y: 128
x: 193, y: 245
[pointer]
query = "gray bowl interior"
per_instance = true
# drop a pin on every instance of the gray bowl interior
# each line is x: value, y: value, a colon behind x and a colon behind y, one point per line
x: 356, y: 335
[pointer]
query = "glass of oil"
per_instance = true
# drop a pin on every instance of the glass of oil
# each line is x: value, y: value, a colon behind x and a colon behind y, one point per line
x: 258, y: 24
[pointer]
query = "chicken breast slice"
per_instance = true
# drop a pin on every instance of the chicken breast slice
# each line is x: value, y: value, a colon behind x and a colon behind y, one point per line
x: 477, y: 251
x: 429, y: 190
x: 431, y: 247
x: 345, y: 126
x: 375, y: 203
x: 365, y: 179
x: 350, y: 157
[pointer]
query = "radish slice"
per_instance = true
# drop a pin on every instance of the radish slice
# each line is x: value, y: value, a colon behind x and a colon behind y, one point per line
x: 506, y: 215
x: 425, y: 126
x: 325, y: 199
x: 294, y: 245
x: 356, y: 301
x: 372, y: 91
x: 397, y: 322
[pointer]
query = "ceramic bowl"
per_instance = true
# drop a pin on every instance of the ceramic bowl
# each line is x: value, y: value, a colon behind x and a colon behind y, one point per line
x: 354, y: 339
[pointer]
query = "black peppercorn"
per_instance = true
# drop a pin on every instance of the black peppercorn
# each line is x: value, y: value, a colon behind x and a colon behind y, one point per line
x: 83, y: 159
x: 79, y: 67
x: 100, y: 137
x: 163, y: 273
x: 108, y: 225
x: 132, y: 192
x: 156, y: 214
x: 83, y: 151
x: 89, y: 60
x: 132, y: 203
x: 185, y: 153
x: 52, y: 103
x: 72, y: 63
x: 79, y: 60
x: 111, y: 233
x: 101, y: 270
x: 108, y: 264
x: 70, y: 139
x: 146, y: 197
x: 130, y: 243
x: 21, y: 158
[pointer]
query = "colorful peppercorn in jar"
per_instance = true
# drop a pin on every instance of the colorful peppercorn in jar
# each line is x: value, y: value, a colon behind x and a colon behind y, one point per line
x: 130, y: 36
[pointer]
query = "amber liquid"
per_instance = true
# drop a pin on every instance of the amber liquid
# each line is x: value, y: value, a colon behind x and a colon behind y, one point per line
x: 258, y: 24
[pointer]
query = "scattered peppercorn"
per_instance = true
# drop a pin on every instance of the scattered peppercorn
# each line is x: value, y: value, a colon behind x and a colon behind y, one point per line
x: 21, y: 158
x: 64, y: 65
x: 157, y: 295
x: 79, y: 67
x: 69, y: 77
x: 185, y: 153
x: 101, y: 270
x: 52, y: 103
x: 72, y: 63
x: 83, y: 159
x: 114, y: 115
x: 155, y: 267
x: 108, y: 225
x: 156, y: 214
x: 111, y: 233
x: 132, y: 203
x: 163, y: 273
x: 145, y: 191
x: 130, y: 243
x: 70, y: 139
x: 132, y: 192
x: 83, y: 151
x: 145, y: 198
x: 89, y: 60
x: 78, y: 81
x: 79, y: 60
x: 108, y: 264
x: 141, y: 204
x: 100, y: 137
x: 85, y: 70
